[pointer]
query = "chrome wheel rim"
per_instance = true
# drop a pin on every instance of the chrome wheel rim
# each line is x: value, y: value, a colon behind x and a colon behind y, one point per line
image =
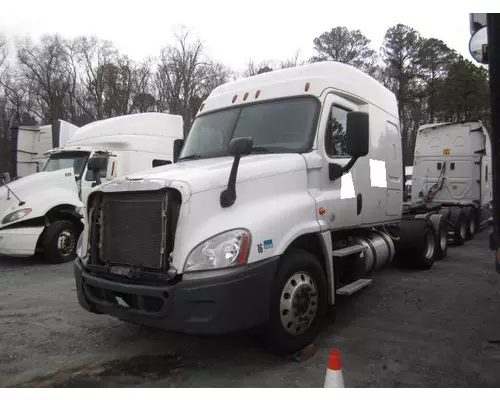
x: 429, y: 245
x: 299, y: 303
x: 66, y: 242
x: 472, y: 226
x: 443, y: 239
x: 463, y: 230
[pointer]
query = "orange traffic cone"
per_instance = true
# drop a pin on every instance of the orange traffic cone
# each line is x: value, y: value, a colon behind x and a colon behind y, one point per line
x: 334, y: 377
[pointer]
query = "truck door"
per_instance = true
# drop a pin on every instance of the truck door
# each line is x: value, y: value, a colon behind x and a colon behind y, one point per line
x: 342, y: 196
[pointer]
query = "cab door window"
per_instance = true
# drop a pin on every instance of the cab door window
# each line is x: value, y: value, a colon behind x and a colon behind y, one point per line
x: 336, y: 132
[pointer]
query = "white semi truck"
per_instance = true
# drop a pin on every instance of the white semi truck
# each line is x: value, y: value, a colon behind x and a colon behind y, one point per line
x: 287, y: 193
x: 452, y: 169
x: 40, y: 212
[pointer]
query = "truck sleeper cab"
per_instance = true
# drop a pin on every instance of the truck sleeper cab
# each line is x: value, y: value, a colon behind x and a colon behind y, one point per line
x: 287, y: 193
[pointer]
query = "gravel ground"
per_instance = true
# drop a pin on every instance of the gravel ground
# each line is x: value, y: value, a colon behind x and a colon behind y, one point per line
x: 437, y: 328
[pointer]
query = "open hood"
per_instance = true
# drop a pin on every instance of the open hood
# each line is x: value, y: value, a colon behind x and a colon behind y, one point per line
x: 212, y: 173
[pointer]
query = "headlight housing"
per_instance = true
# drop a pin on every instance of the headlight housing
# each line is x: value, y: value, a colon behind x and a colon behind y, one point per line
x: 14, y: 216
x: 81, y: 250
x: 227, y: 249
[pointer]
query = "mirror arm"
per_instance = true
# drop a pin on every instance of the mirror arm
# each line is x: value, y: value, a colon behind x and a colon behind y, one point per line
x: 228, y: 196
x: 349, y: 165
x: 97, y: 178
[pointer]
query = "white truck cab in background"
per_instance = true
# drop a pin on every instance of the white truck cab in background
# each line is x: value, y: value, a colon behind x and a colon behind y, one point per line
x: 42, y: 210
x: 452, y: 169
x: 288, y: 193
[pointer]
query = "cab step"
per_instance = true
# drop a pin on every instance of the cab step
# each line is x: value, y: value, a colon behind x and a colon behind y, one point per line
x: 347, y: 251
x: 353, y: 287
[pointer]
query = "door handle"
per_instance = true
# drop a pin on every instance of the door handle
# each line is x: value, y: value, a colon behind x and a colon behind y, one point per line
x: 359, y: 199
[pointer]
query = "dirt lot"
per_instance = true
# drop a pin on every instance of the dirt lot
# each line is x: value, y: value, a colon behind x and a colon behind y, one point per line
x: 438, y: 328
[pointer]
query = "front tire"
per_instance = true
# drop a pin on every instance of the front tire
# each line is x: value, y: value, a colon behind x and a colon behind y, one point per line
x: 298, y: 303
x: 60, y: 240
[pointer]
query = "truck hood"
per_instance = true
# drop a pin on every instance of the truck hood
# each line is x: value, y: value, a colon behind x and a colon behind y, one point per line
x: 31, y: 187
x: 208, y: 174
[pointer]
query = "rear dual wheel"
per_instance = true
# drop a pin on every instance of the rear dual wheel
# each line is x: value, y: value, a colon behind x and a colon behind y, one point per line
x: 458, y: 219
x: 440, y: 235
x: 417, y: 244
x: 471, y: 226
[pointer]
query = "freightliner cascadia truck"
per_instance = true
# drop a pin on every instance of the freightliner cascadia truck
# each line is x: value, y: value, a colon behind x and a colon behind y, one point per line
x: 287, y: 193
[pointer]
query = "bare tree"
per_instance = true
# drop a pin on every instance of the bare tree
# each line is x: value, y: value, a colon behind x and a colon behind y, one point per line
x: 185, y: 74
x: 45, y: 70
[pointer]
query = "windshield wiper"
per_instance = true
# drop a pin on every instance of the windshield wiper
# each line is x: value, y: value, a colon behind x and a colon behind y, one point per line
x: 192, y: 157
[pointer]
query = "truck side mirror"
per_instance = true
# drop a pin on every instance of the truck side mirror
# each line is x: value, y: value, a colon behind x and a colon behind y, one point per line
x: 178, y: 143
x: 240, y: 146
x: 96, y: 164
x: 237, y: 147
x: 357, y: 134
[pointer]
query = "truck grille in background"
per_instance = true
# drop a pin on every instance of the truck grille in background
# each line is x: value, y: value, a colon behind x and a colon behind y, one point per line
x: 131, y: 228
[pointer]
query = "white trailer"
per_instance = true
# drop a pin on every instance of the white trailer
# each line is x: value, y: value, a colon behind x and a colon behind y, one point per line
x: 32, y: 142
x: 41, y: 211
x: 452, y: 169
x: 287, y: 194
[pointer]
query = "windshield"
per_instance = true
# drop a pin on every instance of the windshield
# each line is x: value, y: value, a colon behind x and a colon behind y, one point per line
x: 281, y: 126
x: 75, y: 159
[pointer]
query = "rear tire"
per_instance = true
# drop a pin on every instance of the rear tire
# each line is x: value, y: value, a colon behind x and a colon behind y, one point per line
x: 59, y: 243
x: 471, y: 227
x: 459, y: 221
x: 298, y: 303
x: 441, y: 237
x: 416, y: 244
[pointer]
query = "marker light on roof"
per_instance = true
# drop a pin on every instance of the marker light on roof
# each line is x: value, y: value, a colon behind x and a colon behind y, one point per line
x: 235, y: 97
x: 307, y: 86
x: 257, y: 93
x: 202, y: 105
x: 245, y: 96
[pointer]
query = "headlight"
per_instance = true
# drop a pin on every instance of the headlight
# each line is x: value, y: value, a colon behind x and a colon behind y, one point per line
x: 224, y: 250
x: 81, y: 250
x: 14, y: 216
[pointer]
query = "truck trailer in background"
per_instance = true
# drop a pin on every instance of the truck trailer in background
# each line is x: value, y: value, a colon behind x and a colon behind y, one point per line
x: 24, y: 154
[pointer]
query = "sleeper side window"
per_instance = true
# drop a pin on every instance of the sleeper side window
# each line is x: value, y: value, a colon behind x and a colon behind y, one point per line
x: 336, y: 130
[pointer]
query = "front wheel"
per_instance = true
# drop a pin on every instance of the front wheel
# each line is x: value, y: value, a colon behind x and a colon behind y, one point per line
x: 60, y: 240
x: 298, y: 303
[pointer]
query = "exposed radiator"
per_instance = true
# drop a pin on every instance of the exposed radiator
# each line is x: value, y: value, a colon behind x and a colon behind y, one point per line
x: 132, y: 229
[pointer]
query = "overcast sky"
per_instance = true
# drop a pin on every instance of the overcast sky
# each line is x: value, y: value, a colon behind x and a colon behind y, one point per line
x: 235, y: 31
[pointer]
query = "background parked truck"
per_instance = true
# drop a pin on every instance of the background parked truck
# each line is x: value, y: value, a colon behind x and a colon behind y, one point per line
x: 452, y: 169
x: 42, y: 211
